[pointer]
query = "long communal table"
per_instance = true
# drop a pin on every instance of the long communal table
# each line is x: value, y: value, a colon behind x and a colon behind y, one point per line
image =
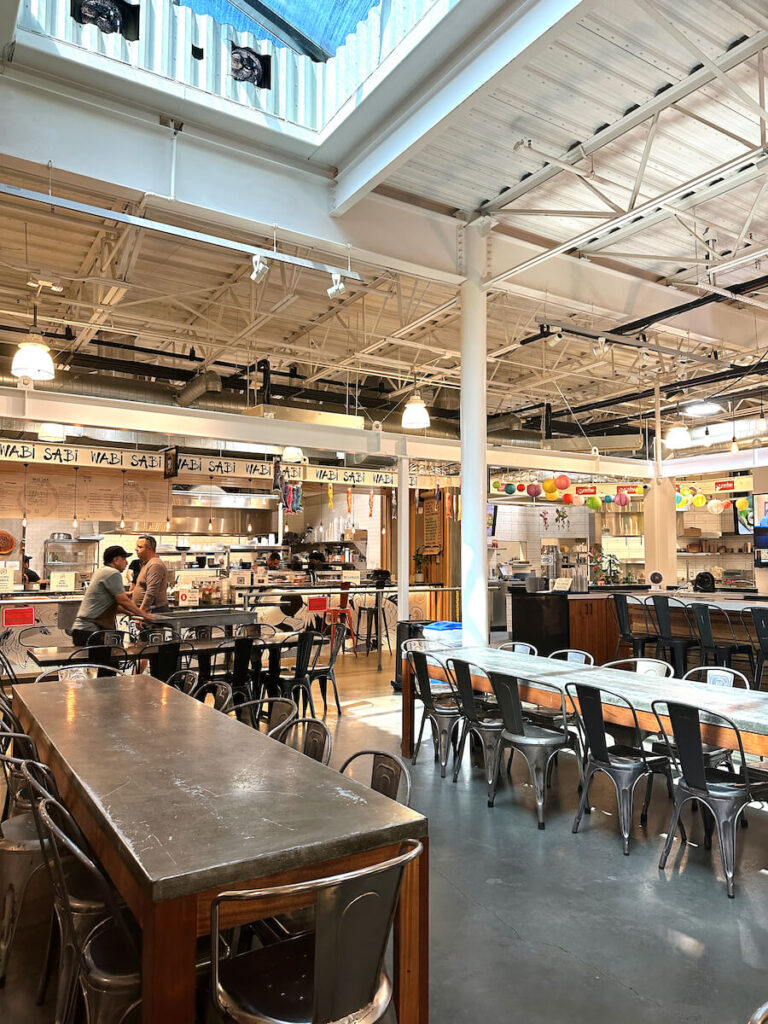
x: 747, y: 708
x: 180, y: 802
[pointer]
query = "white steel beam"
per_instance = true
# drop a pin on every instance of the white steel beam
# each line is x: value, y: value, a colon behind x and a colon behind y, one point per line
x: 523, y: 29
x: 9, y: 16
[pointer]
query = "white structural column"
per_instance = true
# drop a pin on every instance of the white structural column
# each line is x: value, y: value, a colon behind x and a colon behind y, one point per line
x: 660, y: 529
x: 474, y: 572
x: 403, y: 539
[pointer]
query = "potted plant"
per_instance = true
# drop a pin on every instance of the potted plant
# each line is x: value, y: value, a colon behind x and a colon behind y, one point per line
x: 418, y: 566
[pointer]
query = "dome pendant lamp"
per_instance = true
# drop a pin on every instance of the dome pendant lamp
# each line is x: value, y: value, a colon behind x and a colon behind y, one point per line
x: 415, y: 413
x: 33, y: 358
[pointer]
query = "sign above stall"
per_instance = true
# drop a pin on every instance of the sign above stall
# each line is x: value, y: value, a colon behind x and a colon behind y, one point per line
x: 219, y: 467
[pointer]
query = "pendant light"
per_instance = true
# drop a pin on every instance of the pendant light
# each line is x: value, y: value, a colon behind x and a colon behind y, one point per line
x: 74, y: 515
x: 54, y: 433
x: 762, y: 423
x: 415, y: 414
x: 33, y: 357
x: 291, y: 453
x: 734, y: 445
x: 24, y: 517
x: 250, y: 528
x: 168, y: 510
x: 122, y: 514
x: 210, y: 504
x: 678, y: 436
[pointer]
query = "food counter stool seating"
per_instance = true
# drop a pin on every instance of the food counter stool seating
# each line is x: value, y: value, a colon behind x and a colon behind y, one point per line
x: 372, y: 621
x: 388, y: 774
x: 335, y: 973
x: 441, y: 710
x: 716, y: 650
x: 674, y: 647
x: 624, y: 764
x: 724, y: 793
x: 476, y: 718
x: 310, y: 736
x: 635, y: 637
x: 538, y: 744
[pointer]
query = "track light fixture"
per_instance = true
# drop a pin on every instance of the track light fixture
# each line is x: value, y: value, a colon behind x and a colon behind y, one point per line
x: 337, y: 287
x: 260, y: 269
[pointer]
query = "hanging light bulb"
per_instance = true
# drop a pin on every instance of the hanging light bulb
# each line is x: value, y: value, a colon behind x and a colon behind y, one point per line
x: 415, y: 414
x: 734, y: 447
x: 74, y: 516
x: 250, y: 528
x: 167, y: 525
x: 210, y: 504
x: 24, y: 517
x: 707, y: 438
x: 122, y: 514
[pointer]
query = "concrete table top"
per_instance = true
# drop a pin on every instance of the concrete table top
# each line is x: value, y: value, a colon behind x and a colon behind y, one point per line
x: 194, y: 799
x: 747, y: 708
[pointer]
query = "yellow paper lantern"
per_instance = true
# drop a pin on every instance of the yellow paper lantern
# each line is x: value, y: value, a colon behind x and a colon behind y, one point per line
x: 549, y: 485
x: 686, y: 492
x: 639, y: 489
x: 742, y: 504
x: 550, y: 495
x: 700, y: 501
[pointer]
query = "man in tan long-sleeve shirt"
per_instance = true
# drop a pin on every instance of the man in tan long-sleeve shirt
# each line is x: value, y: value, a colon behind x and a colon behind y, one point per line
x: 151, y: 590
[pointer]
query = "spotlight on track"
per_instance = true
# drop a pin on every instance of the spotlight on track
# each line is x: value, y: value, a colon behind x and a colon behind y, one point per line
x: 337, y: 288
x: 260, y: 269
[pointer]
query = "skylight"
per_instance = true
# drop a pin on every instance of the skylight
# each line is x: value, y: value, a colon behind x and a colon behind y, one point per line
x: 316, y: 29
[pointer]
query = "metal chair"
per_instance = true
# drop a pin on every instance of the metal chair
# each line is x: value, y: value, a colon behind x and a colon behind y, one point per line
x: 720, y: 651
x: 8, y: 676
x: 714, y: 675
x: 30, y: 635
x: 760, y: 1016
x: 759, y: 618
x: 96, y: 654
x: 387, y: 776
x: 621, y: 606
x: 204, y: 633
x: 642, y: 666
x: 166, y: 657
x: 674, y: 646
x: 518, y: 647
x: 477, y: 720
x: 441, y: 709
x: 334, y: 973
x: 81, y: 670
x: 342, y: 614
x: 279, y: 711
x: 724, y: 794
x: 221, y: 693
x: 158, y: 634
x: 310, y: 736
x: 372, y: 620
x: 624, y: 764
x: 572, y: 655
x: 186, y: 680
x: 298, y: 678
x: 539, y: 745
x: 321, y: 673
x: 230, y: 662
x: 109, y: 638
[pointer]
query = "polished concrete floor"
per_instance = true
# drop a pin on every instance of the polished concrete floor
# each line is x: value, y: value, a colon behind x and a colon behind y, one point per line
x: 532, y: 927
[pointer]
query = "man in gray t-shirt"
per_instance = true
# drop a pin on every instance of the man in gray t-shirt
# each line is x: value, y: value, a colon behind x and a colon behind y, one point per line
x: 104, y: 597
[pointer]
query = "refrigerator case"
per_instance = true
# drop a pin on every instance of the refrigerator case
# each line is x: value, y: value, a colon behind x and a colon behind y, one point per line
x: 68, y: 555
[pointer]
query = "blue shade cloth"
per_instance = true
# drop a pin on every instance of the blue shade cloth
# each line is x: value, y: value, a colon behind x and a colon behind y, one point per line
x: 327, y: 22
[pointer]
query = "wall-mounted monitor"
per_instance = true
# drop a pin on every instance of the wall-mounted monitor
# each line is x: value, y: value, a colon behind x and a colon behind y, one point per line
x: 744, y: 518
x: 492, y: 511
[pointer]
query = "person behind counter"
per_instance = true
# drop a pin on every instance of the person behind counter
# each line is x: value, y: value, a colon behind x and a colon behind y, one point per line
x: 151, y: 590
x: 273, y: 560
x: 29, y: 575
x: 104, y: 597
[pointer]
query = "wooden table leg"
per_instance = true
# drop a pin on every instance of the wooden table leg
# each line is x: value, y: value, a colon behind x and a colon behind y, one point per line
x: 411, y: 980
x: 406, y: 742
x: 169, y: 936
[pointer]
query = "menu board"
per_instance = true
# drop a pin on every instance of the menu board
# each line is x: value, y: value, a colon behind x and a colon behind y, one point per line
x: 50, y: 493
x: 433, y: 525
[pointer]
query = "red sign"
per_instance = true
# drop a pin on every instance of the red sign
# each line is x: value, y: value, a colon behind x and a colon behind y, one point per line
x: 587, y: 490
x: 626, y: 488
x: 19, y: 616
x: 725, y: 485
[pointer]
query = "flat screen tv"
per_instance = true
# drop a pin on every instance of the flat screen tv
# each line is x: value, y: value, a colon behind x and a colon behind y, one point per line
x: 492, y: 511
x: 744, y: 519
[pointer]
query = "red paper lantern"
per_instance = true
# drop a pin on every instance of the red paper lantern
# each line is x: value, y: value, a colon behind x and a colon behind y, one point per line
x: 521, y: 487
x: 567, y: 499
x: 562, y: 482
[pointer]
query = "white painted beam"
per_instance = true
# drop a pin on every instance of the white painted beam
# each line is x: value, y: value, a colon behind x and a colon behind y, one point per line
x: 9, y: 16
x: 522, y: 29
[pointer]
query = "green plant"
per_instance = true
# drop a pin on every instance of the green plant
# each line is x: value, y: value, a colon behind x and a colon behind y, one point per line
x: 418, y: 560
x: 605, y: 568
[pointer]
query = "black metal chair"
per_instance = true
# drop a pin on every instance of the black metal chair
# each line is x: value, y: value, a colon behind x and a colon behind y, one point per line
x: 231, y: 663
x: 297, y: 678
x: 101, y: 655
x: 477, y: 720
x: 725, y: 794
x: 158, y: 634
x: 388, y: 774
x: 322, y: 672
x: 186, y: 680
x: 573, y: 656
x: 538, y: 744
x: 441, y: 709
x: 8, y: 678
x: 273, y: 712
x: 310, y: 736
x: 167, y: 657
x: 758, y: 634
x: 204, y: 633
x: 624, y: 764
x: 333, y: 973
x: 622, y: 605
x: 673, y: 646
x: 78, y: 670
x: 715, y: 649
x: 109, y: 638
x: 518, y: 647
x: 221, y: 693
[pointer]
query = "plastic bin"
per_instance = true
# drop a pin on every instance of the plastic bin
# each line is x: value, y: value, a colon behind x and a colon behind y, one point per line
x: 448, y: 633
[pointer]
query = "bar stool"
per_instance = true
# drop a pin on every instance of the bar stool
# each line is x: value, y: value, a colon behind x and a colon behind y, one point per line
x: 721, y: 650
x: 343, y: 613
x: 674, y: 646
x: 634, y: 638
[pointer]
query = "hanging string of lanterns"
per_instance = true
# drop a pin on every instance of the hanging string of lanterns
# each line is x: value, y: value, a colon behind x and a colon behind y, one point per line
x: 556, y: 488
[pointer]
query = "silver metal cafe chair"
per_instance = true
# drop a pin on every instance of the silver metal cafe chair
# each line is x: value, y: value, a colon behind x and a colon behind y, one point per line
x: 80, y: 670
x: 388, y: 775
x: 334, y: 973
x: 518, y: 647
x: 310, y: 736
x: 271, y: 712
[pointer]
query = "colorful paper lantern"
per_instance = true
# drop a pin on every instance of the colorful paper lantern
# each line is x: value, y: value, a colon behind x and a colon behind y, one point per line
x: 608, y: 498
x: 497, y: 485
x: 551, y: 495
x: 534, y: 490
x: 562, y: 482
x: 549, y: 486
x: 578, y: 500
x: 639, y: 489
x: 726, y: 504
x: 686, y: 492
x: 569, y: 499
x: 715, y: 506
x: 622, y: 498
x: 509, y: 488
x: 593, y: 502
x: 679, y: 499
x: 699, y: 501
x: 521, y: 487
x: 742, y: 504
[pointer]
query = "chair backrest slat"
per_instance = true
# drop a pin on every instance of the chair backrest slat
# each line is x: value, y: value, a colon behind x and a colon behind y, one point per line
x: 508, y: 696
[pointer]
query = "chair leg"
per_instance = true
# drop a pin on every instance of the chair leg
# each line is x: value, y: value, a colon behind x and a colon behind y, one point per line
x: 445, y: 735
x: 625, y: 794
x: 17, y: 869
x: 726, y: 833
x: 584, y: 798
x: 672, y: 828
x: 495, y: 768
x: 322, y: 682
x: 647, y: 801
x: 50, y: 957
x: 538, y: 765
x: 491, y: 742
x: 418, y: 741
x: 332, y: 677
x: 460, y: 750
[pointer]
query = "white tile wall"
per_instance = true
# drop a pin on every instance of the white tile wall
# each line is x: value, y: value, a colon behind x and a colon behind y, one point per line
x: 525, y: 524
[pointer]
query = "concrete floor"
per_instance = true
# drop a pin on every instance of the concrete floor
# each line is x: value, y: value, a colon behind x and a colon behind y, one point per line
x: 533, y: 927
